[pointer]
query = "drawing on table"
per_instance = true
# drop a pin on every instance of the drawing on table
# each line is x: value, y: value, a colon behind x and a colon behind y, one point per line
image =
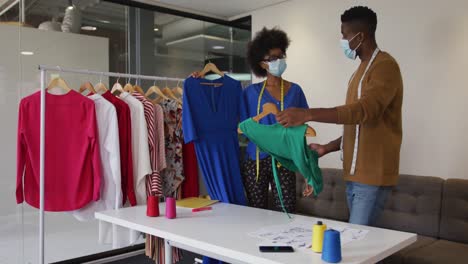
x: 299, y: 234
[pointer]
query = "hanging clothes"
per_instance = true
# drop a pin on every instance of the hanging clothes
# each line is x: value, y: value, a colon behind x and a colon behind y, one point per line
x: 173, y: 175
x: 160, y: 139
x: 140, y: 151
x: 125, y: 143
x: 153, y: 184
x: 73, y: 174
x: 169, y: 164
x: 111, y: 192
x: 190, y: 186
x: 210, y: 120
x: 111, y: 188
x: 141, y: 165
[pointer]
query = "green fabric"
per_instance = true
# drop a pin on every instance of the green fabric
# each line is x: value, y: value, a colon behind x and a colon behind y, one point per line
x: 289, y: 147
x: 278, y: 184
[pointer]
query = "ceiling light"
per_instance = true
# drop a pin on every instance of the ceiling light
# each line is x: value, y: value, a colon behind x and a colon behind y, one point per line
x: 89, y: 28
x: 104, y: 21
x: 156, y: 29
x: 218, y: 47
x: 27, y: 53
x: 70, y: 7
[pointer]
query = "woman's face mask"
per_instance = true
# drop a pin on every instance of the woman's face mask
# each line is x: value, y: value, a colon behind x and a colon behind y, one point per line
x: 350, y: 53
x: 277, y: 67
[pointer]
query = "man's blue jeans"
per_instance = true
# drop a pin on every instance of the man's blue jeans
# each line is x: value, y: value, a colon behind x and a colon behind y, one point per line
x: 365, y: 202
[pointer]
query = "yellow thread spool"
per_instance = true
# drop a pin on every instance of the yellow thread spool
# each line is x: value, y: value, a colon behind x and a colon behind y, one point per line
x: 317, y: 236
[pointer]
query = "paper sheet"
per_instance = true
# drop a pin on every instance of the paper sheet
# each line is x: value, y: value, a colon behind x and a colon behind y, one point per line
x: 299, y: 235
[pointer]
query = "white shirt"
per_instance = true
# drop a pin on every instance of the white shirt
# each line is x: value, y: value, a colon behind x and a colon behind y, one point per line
x: 140, y: 146
x: 141, y: 166
x: 111, y: 191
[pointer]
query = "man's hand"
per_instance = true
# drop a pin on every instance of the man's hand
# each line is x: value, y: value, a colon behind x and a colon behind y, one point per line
x: 321, y: 149
x: 292, y: 117
x: 308, y: 190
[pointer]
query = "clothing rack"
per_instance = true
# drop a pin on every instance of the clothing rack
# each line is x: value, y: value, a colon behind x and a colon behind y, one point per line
x: 44, y: 69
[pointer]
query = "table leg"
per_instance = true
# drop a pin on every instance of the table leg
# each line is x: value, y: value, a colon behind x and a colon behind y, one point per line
x: 167, y: 251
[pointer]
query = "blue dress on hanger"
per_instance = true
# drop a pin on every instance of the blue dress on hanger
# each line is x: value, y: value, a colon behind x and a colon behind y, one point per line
x: 210, y: 116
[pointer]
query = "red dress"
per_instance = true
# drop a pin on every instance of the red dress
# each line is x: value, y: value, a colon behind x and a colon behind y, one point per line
x: 190, y: 185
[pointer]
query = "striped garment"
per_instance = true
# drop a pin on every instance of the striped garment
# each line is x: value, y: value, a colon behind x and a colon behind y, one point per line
x: 160, y: 138
x: 153, y: 182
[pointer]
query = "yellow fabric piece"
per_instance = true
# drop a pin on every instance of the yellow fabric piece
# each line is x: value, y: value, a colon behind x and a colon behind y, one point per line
x: 195, y: 202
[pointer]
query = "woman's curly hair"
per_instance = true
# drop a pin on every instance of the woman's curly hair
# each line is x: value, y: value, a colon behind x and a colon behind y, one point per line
x: 263, y: 42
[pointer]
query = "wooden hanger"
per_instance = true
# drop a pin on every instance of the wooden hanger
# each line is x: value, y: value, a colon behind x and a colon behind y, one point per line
x: 270, y: 108
x: 87, y: 86
x: 157, y: 100
x: 138, y: 89
x: 177, y: 90
x: 168, y: 92
x: 129, y: 87
x: 211, y: 67
x: 117, y: 87
x: 155, y: 90
x: 100, y: 87
x: 60, y: 83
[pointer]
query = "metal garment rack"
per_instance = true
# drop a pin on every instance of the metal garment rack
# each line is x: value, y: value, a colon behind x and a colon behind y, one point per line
x: 44, y: 69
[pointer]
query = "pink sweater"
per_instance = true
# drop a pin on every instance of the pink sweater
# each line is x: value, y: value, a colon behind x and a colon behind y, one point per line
x: 72, y: 159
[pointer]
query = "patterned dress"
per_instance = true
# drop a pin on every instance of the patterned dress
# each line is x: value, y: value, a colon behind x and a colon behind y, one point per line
x: 173, y: 175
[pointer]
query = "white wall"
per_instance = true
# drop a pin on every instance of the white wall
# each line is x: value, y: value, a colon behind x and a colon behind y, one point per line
x: 19, y: 77
x: 429, y: 39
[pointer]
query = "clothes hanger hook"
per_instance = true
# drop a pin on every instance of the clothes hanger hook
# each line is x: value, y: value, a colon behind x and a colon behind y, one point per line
x: 118, y: 79
x: 100, y: 77
x: 59, y: 69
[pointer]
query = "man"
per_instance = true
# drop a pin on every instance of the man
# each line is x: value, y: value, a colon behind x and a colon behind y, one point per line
x: 371, y: 117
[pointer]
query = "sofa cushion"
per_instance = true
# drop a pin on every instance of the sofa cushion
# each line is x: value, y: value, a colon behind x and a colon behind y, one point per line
x: 330, y: 203
x: 454, y: 216
x: 398, y: 258
x: 441, y: 251
x: 414, y: 206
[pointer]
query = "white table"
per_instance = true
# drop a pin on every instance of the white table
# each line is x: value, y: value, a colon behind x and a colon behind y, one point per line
x: 222, y: 233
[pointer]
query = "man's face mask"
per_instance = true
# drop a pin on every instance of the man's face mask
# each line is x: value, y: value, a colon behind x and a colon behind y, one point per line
x: 350, y: 53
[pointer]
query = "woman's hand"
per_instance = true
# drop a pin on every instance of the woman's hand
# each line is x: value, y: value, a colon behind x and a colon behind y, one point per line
x: 308, y: 190
x: 195, y: 75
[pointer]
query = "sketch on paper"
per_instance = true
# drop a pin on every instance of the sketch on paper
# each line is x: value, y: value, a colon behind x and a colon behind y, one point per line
x: 299, y: 235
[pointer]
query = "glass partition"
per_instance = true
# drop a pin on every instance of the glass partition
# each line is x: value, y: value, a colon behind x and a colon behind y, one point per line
x: 95, y: 35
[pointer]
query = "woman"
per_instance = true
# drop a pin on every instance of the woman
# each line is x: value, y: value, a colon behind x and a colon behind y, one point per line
x: 266, y: 56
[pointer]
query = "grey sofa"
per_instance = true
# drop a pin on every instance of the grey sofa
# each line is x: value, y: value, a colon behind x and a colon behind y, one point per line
x: 435, y: 209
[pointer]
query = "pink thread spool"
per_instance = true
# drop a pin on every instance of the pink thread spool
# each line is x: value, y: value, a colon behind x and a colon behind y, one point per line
x: 171, y: 212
